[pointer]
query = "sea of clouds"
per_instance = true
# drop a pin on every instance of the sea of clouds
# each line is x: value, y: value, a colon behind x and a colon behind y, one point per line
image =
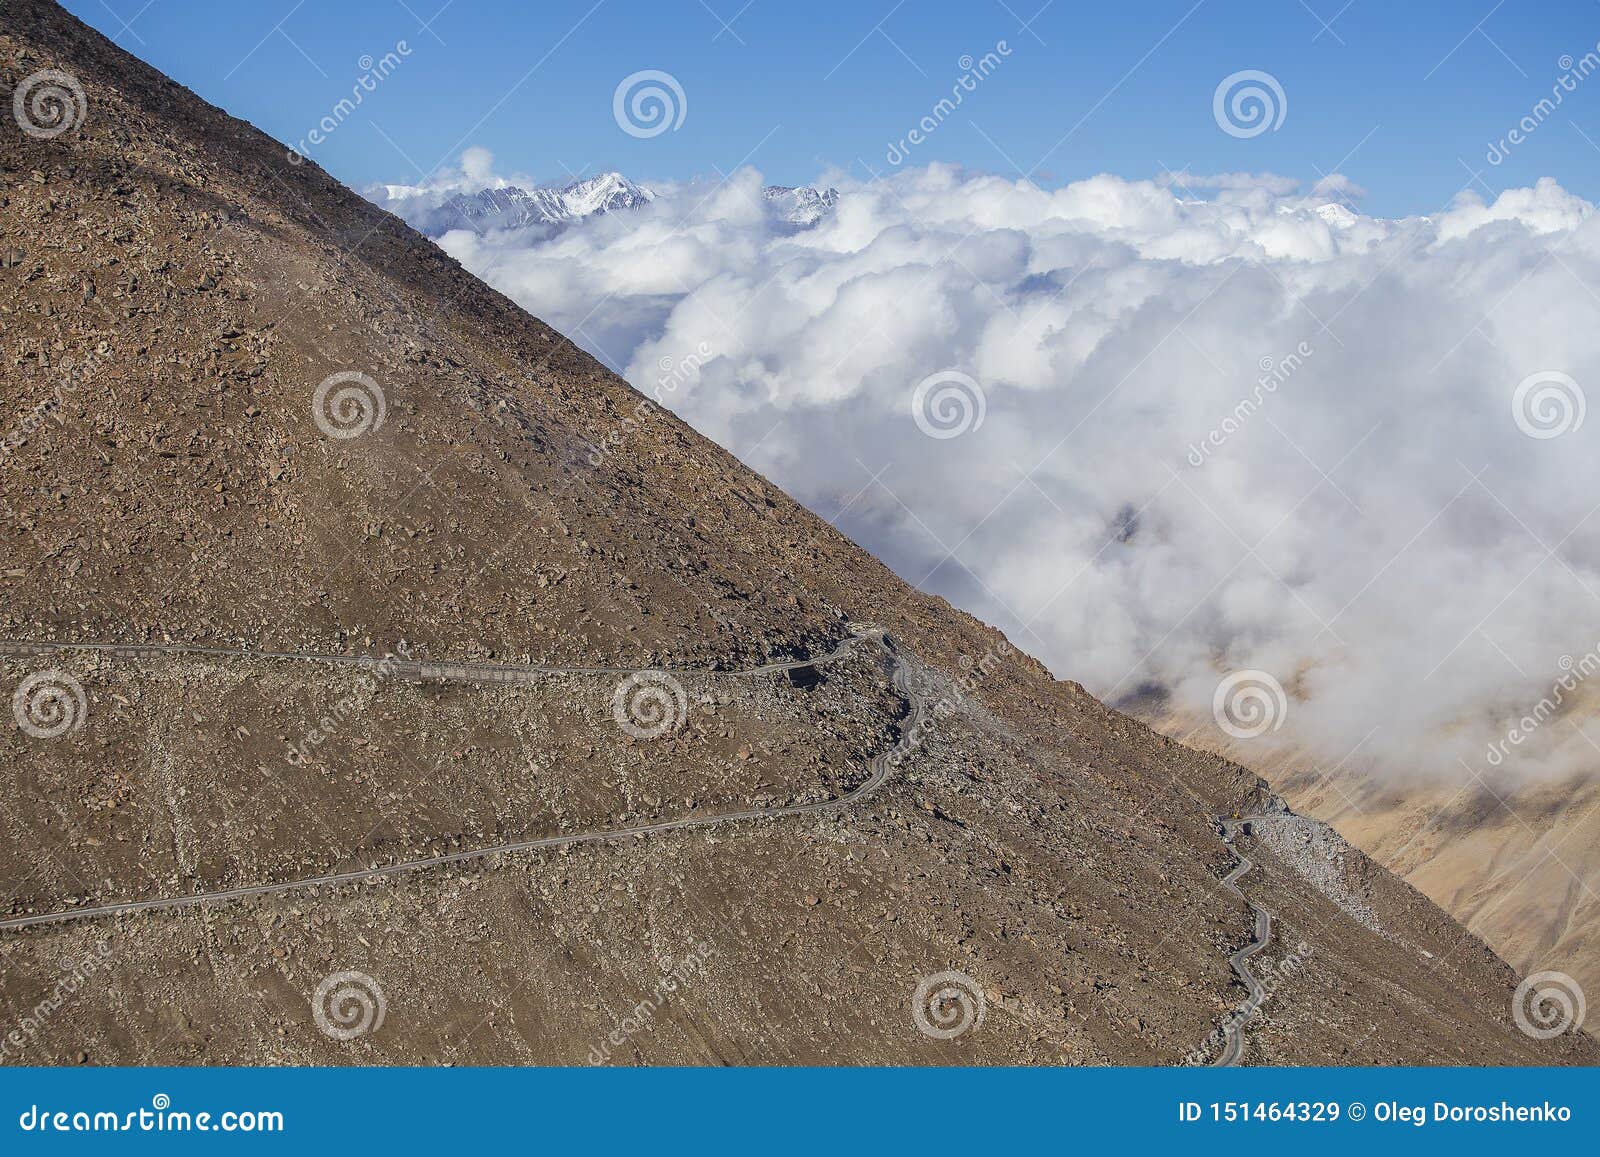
x: 1227, y: 423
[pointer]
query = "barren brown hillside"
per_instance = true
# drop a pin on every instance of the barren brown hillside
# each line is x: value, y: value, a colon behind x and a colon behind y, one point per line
x: 1512, y: 858
x: 1512, y: 862
x: 172, y: 293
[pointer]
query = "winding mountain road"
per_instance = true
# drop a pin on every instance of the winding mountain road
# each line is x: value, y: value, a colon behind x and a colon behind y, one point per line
x: 879, y: 766
x: 879, y: 769
x: 1233, y: 1026
x: 401, y: 668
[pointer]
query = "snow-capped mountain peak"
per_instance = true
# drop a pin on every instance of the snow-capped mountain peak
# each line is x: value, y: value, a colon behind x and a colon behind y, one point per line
x: 1336, y: 215
x: 503, y: 206
x: 605, y: 193
x: 513, y: 207
x: 802, y: 205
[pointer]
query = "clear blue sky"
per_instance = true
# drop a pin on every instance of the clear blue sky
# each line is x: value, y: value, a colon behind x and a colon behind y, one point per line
x: 1394, y: 93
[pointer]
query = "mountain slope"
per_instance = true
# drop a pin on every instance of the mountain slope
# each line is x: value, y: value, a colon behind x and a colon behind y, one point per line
x: 1511, y: 861
x: 175, y: 297
x: 1510, y: 858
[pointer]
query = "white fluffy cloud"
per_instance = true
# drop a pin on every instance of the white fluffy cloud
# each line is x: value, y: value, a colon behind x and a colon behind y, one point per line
x: 1368, y: 521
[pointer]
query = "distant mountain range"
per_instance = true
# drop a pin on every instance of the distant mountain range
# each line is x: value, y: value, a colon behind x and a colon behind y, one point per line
x: 514, y: 207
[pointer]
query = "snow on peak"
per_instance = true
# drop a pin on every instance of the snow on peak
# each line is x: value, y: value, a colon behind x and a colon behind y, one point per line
x: 513, y: 207
x: 801, y: 205
x: 1336, y: 215
x: 499, y: 205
